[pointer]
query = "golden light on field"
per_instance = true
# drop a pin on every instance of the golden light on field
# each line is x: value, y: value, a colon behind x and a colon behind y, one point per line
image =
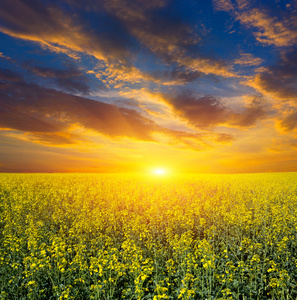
x: 143, y: 220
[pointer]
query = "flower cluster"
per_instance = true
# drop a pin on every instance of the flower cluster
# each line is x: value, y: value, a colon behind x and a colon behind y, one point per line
x: 132, y: 237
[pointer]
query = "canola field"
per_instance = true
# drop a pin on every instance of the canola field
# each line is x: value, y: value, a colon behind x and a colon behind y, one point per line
x: 107, y: 236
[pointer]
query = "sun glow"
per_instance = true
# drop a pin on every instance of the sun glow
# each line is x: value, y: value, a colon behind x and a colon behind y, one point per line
x: 159, y: 171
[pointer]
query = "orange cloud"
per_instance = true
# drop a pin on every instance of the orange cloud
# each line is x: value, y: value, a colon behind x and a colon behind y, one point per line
x: 268, y: 29
x: 289, y: 123
x: 248, y: 59
x: 61, y: 32
x: 271, y: 30
x: 279, y: 80
x: 207, y: 112
x: 224, y: 5
x: 168, y: 39
x: 55, y: 138
x: 55, y: 118
x: 43, y: 110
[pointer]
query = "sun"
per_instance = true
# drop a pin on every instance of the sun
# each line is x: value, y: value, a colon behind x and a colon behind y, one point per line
x: 159, y: 171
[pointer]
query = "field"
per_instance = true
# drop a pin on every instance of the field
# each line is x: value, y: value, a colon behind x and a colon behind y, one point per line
x: 84, y: 236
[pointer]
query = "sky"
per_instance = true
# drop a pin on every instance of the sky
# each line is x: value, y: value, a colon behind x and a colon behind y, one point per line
x: 129, y: 85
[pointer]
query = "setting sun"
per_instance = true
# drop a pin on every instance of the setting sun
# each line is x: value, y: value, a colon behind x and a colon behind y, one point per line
x: 159, y: 171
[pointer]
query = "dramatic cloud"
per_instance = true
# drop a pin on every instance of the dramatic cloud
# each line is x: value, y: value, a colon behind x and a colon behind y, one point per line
x: 270, y: 29
x: 114, y: 34
x: 166, y: 36
x: 208, y: 111
x: 280, y: 80
x: 29, y: 107
x: 62, y: 31
x: 47, y: 115
x: 15, y: 118
x: 70, y: 79
x: 146, y: 80
x: 290, y: 122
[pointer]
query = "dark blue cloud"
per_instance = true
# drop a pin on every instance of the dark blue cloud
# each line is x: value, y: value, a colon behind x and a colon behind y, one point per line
x: 71, y: 79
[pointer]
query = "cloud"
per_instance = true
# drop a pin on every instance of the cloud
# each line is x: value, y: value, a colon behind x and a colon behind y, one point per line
x: 16, y: 118
x: 179, y: 76
x: 208, y: 111
x: 224, y: 138
x: 204, y: 112
x: 248, y: 59
x: 61, y: 30
x: 55, y: 138
x: 271, y: 30
x: 197, y: 141
x: 231, y: 5
x: 249, y: 115
x: 202, y: 136
x: 51, y: 117
x: 223, y: 5
x: 70, y: 79
x: 165, y: 35
x: 289, y: 123
x: 279, y: 80
x: 244, y: 4
x: 31, y: 108
x: 47, y: 116
x: 9, y: 76
x: 114, y: 74
x: 114, y: 32
x: 4, y: 56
